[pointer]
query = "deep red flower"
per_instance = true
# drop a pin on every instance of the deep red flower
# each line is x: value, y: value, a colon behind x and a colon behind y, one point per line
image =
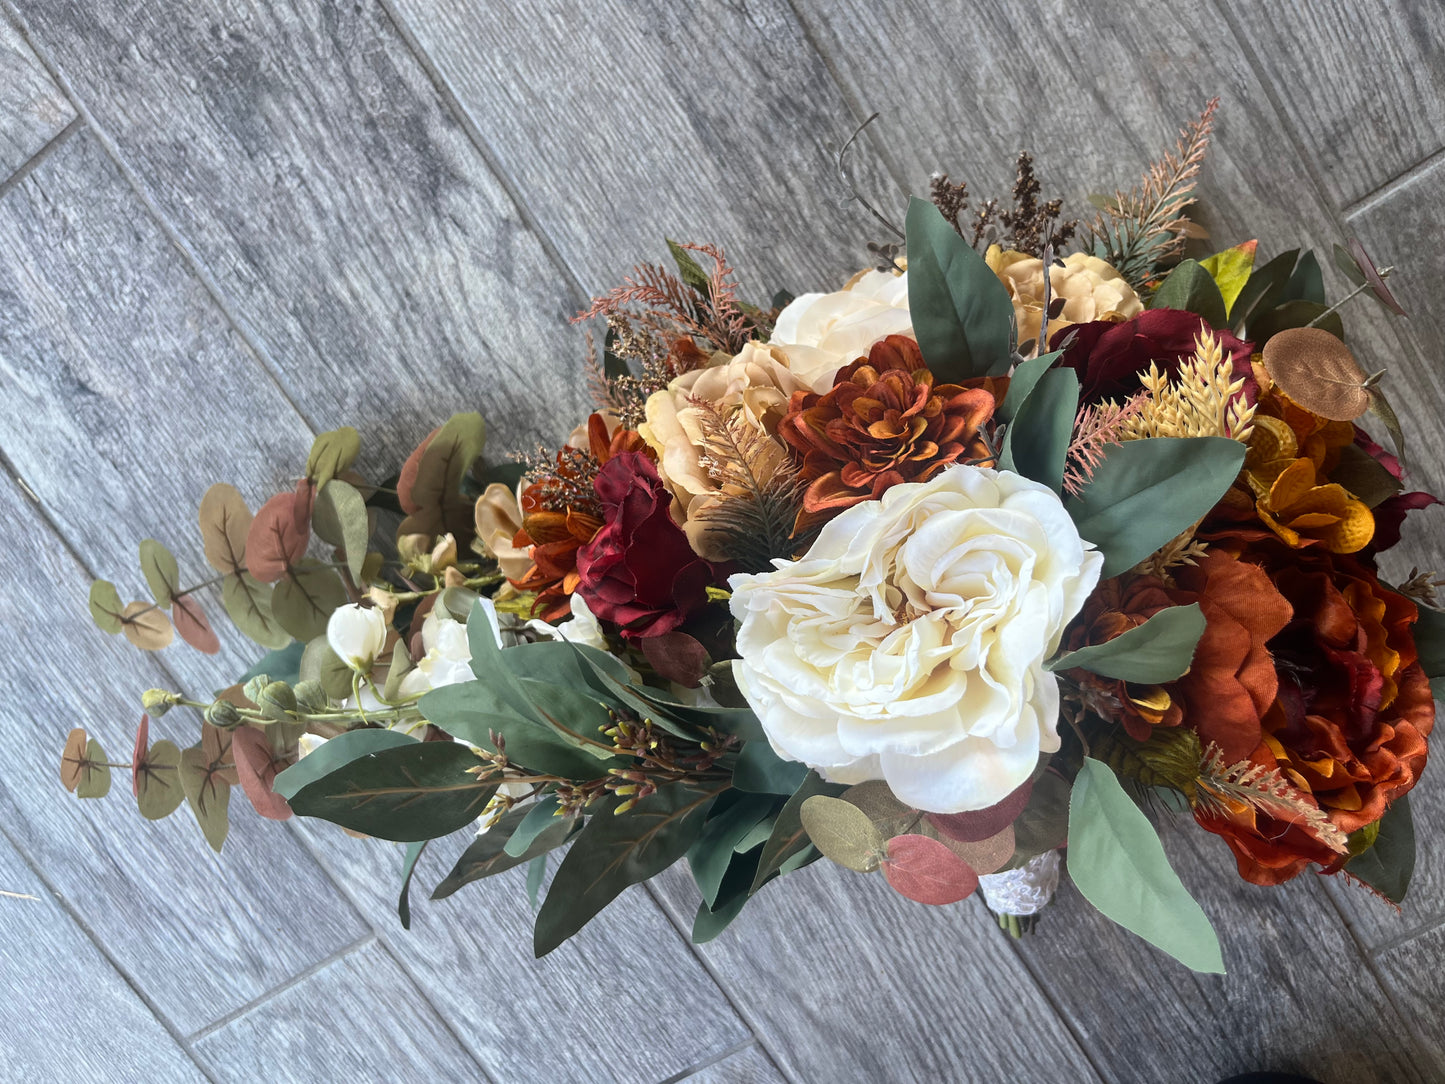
x: 638, y: 571
x: 1109, y: 357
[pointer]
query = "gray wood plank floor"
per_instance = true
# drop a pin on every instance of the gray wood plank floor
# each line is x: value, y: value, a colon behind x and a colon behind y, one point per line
x: 271, y: 217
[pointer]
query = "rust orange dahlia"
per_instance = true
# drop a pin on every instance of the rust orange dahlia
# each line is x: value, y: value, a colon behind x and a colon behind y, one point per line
x: 883, y: 422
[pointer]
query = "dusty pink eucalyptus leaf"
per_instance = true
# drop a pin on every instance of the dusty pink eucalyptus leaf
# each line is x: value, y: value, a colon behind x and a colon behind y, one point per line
x: 273, y: 543
x: 926, y: 870
x: 257, y: 770
x: 192, y: 625
x: 142, y: 743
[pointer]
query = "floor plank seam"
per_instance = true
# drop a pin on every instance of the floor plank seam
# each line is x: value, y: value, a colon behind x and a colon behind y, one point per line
x: 459, y: 112
x: 401, y: 962
x: 718, y: 1058
x: 189, y: 256
x: 280, y: 988
x: 1382, y: 193
x: 1409, y: 935
x: 29, y: 165
x: 75, y: 916
x: 738, y: 1010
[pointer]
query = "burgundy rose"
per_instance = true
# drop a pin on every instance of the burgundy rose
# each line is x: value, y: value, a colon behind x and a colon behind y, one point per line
x: 1109, y: 357
x: 639, y: 571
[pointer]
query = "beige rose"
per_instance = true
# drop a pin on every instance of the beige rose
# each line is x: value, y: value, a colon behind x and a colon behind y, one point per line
x: 823, y: 332
x: 756, y: 384
x: 499, y: 518
x: 1091, y: 289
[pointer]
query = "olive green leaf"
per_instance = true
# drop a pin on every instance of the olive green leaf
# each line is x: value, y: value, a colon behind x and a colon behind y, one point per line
x: 408, y: 867
x: 340, y: 517
x: 305, y: 598
x: 732, y: 819
x: 487, y: 855
x: 331, y: 453
x: 162, y: 574
x: 247, y: 602
x: 688, y: 269
x: 225, y: 522
x: 158, y: 789
x: 204, y: 778
x: 789, y: 838
x: 431, y: 494
x: 1389, y: 862
x: 105, y: 606
x: 843, y: 832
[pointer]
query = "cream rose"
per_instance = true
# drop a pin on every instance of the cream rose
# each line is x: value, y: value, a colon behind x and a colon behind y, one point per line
x: 908, y: 644
x: 498, y: 519
x: 756, y: 384
x: 1091, y: 289
x: 823, y: 332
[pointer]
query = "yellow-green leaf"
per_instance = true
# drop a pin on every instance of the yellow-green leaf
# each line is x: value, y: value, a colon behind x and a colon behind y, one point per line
x: 105, y: 606
x: 332, y: 453
x: 95, y: 773
x: 1231, y: 269
x: 158, y: 789
x: 340, y: 517
x: 163, y: 575
x: 843, y: 832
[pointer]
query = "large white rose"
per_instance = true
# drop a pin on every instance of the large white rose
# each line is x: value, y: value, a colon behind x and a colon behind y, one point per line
x: 821, y: 333
x: 908, y: 643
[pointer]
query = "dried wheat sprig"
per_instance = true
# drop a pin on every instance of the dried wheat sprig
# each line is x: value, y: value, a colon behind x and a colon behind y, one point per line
x: 1201, y: 400
x: 1143, y: 230
x: 1222, y: 787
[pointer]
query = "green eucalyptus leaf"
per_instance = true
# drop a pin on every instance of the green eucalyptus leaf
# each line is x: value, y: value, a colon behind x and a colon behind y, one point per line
x: 248, y: 603
x: 332, y: 453
x: 962, y: 315
x: 843, y: 832
x: 162, y: 574
x: 1307, y: 283
x: 1380, y: 407
x: 305, y: 597
x: 208, y: 793
x: 1191, y: 288
x: 334, y: 754
x: 105, y: 606
x: 340, y: 517
x: 614, y: 852
x: 158, y: 789
x: 95, y: 774
x: 1157, y: 651
x: 1146, y: 492
x: 1118, y: 865
x: 1263, y: 290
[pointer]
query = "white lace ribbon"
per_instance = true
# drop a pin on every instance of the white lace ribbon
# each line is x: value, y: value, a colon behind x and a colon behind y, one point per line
x: 1023, y: 891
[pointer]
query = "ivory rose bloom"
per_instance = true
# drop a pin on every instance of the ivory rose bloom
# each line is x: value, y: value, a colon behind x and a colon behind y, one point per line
x: 1091, y: 289
x: 821, y: 333
x: 756, y: 384
x: 908, y: 644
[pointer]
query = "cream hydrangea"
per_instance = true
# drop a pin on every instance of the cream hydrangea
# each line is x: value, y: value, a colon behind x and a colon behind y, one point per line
x: 823, y: 332
x: 1091, y: 290
x: 908, y: 644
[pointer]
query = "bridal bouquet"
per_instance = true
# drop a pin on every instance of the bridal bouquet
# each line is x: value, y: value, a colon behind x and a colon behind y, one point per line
x: 1024, y: 535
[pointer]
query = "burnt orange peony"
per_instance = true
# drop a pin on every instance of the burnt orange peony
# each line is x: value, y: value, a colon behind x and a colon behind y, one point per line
x: 561, y: 513
x: 1347, y: 724
x: 884, y: 422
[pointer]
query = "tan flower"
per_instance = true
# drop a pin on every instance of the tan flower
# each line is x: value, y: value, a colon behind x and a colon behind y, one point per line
x: 499, y: 518
x: 756, y: 385
x: 1091, y: 289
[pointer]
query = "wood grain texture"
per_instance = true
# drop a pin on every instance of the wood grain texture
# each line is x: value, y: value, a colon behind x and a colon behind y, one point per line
x: 301, y: 151
x: 54, y: 974
x: 1363, y: 85
x: 702, y: 122
x: 844, y: 980
x: 1415, y: 975
x: 32, y: 108
x: 748, y: 1066
x: 583, y: 1012
x: 1298, y: 996
x: 358, y: 1018
x: 119, y: 374
x: 199, y: 933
